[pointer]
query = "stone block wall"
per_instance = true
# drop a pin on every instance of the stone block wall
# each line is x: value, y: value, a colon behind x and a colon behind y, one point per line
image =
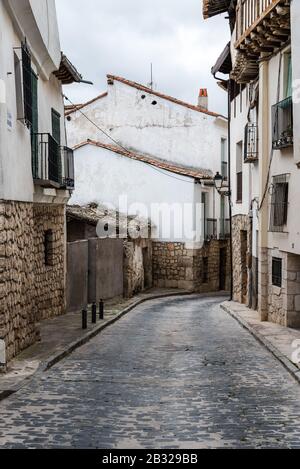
x: 241, y: 250
x: 175, y: 266
x: 29, y: 290
x: 283, y: 303
x: 17, y: 286
x: 49, y: 279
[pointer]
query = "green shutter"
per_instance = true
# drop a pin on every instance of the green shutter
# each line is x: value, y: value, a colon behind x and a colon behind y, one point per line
x: 56, y: 126
x: 35, y: 123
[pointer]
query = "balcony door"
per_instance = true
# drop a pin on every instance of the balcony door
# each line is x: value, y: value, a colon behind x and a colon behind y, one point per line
x: 54, y: 158
x: 35, y: 124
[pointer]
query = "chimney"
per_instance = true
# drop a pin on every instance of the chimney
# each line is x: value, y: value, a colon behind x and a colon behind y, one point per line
x: 203, y: 98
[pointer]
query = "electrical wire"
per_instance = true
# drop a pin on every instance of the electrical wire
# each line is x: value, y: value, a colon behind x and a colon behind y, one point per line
x: 122, y: 147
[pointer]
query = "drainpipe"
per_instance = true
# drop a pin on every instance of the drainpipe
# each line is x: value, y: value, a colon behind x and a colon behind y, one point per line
x: 229, y: 188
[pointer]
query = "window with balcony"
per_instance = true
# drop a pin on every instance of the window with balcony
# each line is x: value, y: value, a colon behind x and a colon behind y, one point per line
x: 279, y: 203
x: 282, y: 124
x: 239, y: 172
x: 251, y: 143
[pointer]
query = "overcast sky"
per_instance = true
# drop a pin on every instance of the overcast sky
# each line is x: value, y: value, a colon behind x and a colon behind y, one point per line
x: 122, y: 37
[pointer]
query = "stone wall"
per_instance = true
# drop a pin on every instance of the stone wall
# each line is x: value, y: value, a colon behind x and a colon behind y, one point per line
x: 17, y: 286
x: 29, y: 290
x: 175, y: 266
x: 49, y: 279
x: 283, y: 303
x: 137, y: 266
x: 241, y: 252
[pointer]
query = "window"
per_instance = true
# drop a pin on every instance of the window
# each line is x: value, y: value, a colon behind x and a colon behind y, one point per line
x: 224, y: 159
x: 35, y: 121
x: 205, y: 270
x: 288, y: 76
x: 239, y: 172
x: 23, y: 84
x: 279, y: 203
x: 277, y: 272
x: 48, y: 247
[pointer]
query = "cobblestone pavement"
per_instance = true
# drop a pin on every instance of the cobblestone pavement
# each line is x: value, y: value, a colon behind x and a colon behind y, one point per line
x: 174, y: 373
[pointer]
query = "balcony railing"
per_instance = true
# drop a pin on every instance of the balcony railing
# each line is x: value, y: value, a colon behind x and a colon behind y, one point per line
x: 211, y: 228
x: 251, y: 143
x: 250, y: 13
x: 52, y: 165
x: 282, y: 124
x: 224, y: 228
x: 262, y: 26
x: 69, y: 176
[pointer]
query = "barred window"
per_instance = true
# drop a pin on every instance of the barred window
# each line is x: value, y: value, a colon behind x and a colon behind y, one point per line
x: 23, y: 84
x: 279, y: 203
x: 277, y: 272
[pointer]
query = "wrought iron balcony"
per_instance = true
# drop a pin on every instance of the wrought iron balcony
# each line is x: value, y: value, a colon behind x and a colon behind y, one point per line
x: 69, y: 176
x: 211, y: 229
x: 282, y: 124
x: 224, y: 228
x: 52, y: 165
x: 251, y: 143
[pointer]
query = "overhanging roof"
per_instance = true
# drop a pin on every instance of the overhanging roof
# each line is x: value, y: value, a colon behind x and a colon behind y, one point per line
x: 67, y: 73
x: 224, y: 62
x: 215, y: 7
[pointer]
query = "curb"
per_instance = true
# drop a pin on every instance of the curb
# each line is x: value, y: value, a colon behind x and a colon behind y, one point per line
x: 56, y: 358
x: 288, y: 365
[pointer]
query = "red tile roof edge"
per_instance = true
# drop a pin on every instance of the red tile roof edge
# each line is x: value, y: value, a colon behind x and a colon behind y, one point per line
x: 69, y: 109
x: 164, y: 96
x: 164, y: 165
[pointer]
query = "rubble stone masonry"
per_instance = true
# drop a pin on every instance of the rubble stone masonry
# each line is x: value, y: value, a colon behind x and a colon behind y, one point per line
x: 29, y: 289
x: 175, y: 266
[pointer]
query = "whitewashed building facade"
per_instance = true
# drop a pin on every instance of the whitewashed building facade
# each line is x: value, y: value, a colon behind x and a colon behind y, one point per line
x: 265, y: 68
x: 36, y: 173
x: 160, y: 154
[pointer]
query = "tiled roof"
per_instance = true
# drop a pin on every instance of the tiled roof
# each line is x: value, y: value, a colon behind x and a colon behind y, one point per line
x: 161, y: 164
x: 163, y: 96
x: 75, y: 107
x: 93, y: 213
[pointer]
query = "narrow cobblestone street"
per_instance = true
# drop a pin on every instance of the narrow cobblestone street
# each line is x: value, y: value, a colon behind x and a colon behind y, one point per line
x: 173, y: 373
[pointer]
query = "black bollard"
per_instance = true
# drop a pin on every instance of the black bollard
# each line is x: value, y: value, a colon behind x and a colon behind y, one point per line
x: 84, y: 319
x: 94, y: 313
x: 101, y: 310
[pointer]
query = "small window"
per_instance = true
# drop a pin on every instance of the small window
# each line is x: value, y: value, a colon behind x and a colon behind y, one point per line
x: 143, y: 96
x: 48, y: 247
x: 205, y: 270
x: 154, y: 103
x: 279, y: 203
x: 277, y: 272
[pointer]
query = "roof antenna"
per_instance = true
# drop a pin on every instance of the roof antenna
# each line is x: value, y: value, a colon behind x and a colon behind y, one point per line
x: 151, y: 75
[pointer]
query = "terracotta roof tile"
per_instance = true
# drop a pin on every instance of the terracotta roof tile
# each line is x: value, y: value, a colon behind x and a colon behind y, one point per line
x: 161, y: 164
x: 163, y: 96
x: 69, y: 109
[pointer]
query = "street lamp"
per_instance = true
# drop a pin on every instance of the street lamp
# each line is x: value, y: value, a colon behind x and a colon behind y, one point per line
x: 222, y: 190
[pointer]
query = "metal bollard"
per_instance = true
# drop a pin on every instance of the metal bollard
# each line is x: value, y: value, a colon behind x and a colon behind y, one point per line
x: 94, y: 313
x: 84, y: 318
x: 101, y: 310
